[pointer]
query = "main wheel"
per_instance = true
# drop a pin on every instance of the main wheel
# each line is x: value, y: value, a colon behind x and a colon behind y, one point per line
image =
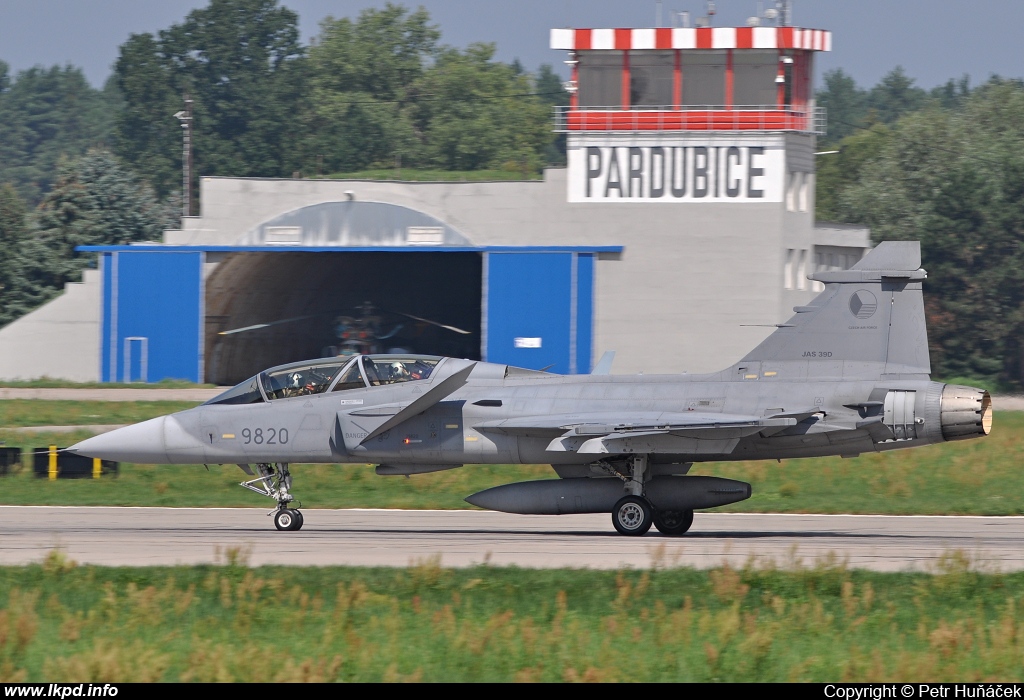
x: 285, y: 519
x: 673, y: 522
x: 298, y: 520
x: 632, y: 515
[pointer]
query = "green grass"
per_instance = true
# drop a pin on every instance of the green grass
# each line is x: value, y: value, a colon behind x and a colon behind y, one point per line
x: 67, y: 623
x: 970, y: 477
x: 15, y: 413
x: 48, y: 383
x: 417, y: 175
x: 979, y: 477
x: 315, y: 485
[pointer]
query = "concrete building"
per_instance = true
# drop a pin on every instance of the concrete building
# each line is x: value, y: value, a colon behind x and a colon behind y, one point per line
x: 680, y: 231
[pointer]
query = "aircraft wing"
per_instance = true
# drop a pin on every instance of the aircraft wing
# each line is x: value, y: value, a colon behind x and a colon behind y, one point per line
x: 675, y: 433
x: 375, y: 420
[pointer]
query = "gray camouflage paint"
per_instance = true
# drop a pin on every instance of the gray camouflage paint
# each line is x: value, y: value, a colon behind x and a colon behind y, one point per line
x: 847, y: 374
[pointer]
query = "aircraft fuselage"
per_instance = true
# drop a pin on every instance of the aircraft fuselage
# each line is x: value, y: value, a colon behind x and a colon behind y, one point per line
x: 487, y: 420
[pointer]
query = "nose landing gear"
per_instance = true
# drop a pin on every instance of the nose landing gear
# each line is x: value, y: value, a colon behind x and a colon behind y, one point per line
x: 275, y: 481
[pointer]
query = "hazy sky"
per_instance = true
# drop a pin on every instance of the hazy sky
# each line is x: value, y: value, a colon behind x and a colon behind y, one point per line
x: 934, y: 40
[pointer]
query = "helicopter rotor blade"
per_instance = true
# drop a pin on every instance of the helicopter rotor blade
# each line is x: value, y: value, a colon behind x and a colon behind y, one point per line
x: 434, y: 323
x: 258, y: 326
x: 392, y: 333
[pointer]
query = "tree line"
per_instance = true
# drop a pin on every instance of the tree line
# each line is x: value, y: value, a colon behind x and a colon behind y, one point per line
x: 85, y: 166
x: 946, y: 168
x: 372, y: 92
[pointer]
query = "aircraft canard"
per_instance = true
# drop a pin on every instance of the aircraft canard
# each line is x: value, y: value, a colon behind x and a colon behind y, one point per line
x: 847, y: 374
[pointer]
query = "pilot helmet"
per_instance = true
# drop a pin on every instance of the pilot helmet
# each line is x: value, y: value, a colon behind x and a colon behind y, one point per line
x: 398, y: 368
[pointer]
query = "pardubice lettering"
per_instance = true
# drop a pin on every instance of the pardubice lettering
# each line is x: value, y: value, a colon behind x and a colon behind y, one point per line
x: 675, y: 173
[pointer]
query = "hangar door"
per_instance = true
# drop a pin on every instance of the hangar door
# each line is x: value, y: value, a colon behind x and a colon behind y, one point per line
x: 540, y: 310
x: 152, y: 315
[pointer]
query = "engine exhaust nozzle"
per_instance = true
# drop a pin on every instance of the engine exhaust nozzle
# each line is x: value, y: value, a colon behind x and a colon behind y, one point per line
x: 965, y: 412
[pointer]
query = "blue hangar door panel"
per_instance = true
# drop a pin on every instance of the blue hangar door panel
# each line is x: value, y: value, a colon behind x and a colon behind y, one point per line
x: 539, y: 310
x: 152, y: 313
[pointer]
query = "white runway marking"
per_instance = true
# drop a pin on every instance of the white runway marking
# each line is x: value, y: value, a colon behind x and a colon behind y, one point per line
x: 164, y: 536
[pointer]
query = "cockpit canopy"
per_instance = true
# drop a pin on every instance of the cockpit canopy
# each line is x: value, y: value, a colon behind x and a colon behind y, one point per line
x: 328, y: 374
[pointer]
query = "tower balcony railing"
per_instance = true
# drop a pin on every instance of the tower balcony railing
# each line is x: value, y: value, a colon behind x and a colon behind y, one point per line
x: 738, y: 118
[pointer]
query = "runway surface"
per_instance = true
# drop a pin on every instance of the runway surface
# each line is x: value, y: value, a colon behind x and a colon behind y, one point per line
x: 163, y: 536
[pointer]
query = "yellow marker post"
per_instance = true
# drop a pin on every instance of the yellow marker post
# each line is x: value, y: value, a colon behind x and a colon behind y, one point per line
x: 97, y: 467
x: 53, y: 463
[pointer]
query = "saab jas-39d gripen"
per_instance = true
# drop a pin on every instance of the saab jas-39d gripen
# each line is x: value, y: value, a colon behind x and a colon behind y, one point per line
x: 846, y: 375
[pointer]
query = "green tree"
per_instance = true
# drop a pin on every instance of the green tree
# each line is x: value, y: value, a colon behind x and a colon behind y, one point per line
x: 551, y: 92
x: 12, y: 232
x: 952, y: 94
x: 95, y: 201
x: 360, y: 75
x: 894, y: 96
x: 476, y: 113
x: 844, y: 102
x: 955, y: 181
x: 241, y: 62
x: 47, y: 113
x: 148, y: 135
x: 836, y: 172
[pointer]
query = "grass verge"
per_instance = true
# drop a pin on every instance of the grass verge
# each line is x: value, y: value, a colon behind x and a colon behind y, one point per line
x: 972, y: 477
x: 61, y: 622
x: 28, y: 412
x: 48, y: 383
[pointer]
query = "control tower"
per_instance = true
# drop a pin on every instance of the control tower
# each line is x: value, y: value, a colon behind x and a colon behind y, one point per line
x: 691, y: 114
x: 719, y: 121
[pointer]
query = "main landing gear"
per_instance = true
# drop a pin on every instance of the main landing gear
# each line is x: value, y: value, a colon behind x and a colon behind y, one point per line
x: 275, y: 481
x: 633, y: 514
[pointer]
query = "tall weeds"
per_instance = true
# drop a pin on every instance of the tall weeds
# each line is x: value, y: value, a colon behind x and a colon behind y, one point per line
x: 61, y: 622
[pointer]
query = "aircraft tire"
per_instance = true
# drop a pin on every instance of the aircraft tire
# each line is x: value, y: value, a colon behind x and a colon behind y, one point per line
x: 632, y: 516
x: 285, y: 519
x: 673, y: 522
x: 298, y: 519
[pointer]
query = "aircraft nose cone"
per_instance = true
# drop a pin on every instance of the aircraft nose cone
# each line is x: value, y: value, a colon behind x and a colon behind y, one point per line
x: 143, y: 443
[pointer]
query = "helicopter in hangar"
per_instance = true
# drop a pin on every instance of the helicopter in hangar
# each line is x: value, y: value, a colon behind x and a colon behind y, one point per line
x: 847, y: 374
x: 367, y: 329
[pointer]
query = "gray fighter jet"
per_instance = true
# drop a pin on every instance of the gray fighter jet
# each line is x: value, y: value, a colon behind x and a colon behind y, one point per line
x: 847, y: 374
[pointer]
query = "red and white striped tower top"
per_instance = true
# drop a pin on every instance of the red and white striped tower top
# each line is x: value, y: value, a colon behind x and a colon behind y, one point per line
x: 692, y: 38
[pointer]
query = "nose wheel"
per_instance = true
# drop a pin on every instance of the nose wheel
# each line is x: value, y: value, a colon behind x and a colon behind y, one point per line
x: 275, y: 481
x: 288, y: 519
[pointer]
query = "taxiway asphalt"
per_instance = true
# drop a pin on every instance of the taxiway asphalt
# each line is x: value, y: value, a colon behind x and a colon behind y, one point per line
x: 165, y: 536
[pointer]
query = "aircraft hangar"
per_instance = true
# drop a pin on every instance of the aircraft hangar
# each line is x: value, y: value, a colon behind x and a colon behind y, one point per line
x: 680, y: 231
x: 301, y: 283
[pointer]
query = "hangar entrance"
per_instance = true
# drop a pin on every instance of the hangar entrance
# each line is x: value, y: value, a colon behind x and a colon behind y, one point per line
x: 270, y: 308
x: 221, y: 314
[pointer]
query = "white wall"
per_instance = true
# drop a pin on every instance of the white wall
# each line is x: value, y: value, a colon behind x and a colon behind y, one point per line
x: 60, y: 339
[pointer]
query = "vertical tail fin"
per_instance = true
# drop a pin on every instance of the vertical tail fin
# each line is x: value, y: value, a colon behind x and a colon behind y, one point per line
x: 871, y: 313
